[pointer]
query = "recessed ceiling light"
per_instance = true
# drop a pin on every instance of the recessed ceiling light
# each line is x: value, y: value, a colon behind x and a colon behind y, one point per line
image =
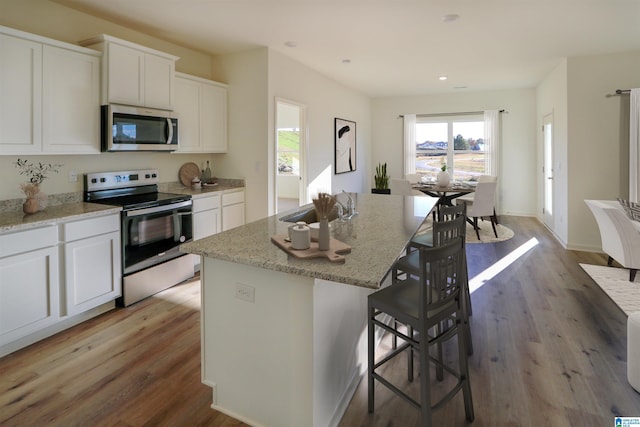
x: 346, y: 61
x: 442, y: 78
x: 460, y: 87
x: 290, y: 44
x: 450, y: 17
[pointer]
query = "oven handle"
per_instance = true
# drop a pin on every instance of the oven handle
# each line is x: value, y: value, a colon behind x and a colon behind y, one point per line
x: 156, y: 209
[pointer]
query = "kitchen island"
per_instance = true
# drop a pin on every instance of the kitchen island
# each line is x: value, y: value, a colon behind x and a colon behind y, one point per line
x: 284, y: 339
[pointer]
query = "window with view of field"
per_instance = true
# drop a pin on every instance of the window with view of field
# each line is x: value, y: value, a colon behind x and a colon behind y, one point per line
x: 288, y: 152
x: 456, y: 141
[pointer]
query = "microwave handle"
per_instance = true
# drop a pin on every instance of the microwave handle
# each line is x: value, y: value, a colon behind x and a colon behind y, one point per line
x: 170, y: 130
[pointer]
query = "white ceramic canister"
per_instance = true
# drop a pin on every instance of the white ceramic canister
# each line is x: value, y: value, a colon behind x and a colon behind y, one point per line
x: 300, y: 236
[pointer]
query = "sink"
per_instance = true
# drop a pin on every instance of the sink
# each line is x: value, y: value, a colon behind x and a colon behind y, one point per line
x: 308, y: 215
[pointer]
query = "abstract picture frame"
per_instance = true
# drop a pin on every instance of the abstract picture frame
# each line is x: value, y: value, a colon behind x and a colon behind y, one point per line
x: 345, y: 145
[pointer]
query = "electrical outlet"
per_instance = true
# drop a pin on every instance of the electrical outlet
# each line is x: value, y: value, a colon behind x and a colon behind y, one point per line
x: 245, y: 292
x: 73, y: 176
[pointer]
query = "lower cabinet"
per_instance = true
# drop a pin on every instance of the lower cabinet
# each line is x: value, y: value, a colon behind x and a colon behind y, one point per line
x: 206, y: 216
x: 56, y: 276
x: 29, y: 283
x: 232, y: 210
x: 91, y: 263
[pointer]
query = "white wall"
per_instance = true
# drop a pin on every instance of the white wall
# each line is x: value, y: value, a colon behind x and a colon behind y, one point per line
x: 49, y: 19
x: 517, y: 189
x: 324, y: 100
x: 552, y: 99
x: 598, y: 129
x: 246, y: 76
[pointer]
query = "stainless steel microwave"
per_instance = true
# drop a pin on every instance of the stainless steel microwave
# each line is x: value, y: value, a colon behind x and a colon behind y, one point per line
x: 126, y: 128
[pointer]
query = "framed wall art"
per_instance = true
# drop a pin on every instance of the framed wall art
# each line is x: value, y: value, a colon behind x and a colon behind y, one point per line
x: 345, y: 146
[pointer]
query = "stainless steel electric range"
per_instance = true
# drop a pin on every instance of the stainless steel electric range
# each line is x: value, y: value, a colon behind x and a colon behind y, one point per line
x: 153, y: 226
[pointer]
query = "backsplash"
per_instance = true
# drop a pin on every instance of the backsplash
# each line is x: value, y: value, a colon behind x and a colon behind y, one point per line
x: 12, y: 205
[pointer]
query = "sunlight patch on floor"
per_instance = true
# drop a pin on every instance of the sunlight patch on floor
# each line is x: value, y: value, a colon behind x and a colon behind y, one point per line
x: 479, y: 280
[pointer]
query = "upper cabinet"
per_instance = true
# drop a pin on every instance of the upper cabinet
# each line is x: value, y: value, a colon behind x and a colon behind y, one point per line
x: 49, y: 96
x: 134, y: 74
x: 202, y: 112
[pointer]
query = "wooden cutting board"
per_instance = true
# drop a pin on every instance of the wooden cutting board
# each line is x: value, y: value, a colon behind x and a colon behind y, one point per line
x: 187, y: 172
x: 336, y: 248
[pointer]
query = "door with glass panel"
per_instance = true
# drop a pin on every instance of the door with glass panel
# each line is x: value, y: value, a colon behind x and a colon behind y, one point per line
x: 290, y: 162
x: 547, y: 169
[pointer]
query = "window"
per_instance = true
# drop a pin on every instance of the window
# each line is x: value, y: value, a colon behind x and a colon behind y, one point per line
x: 457, y: 141
x: 288, y: 151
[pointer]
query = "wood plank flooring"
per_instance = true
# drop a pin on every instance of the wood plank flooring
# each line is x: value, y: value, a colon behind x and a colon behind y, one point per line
x: 549, y: 350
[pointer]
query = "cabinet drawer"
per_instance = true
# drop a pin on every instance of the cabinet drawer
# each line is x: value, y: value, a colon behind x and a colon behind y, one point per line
x: 89, y: 227
x: 232, y: 198
x: 206, y: 203
x: 29, y: 240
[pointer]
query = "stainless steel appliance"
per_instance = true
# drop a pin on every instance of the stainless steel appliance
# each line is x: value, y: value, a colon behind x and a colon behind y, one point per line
x: 153, y: 226
x: 126, y: 128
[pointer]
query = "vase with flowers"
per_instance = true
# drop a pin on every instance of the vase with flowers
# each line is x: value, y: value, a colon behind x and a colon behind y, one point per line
x: 443, y: 177
x: 36, y: 173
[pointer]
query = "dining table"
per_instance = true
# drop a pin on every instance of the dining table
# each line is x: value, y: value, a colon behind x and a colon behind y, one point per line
x: 447, y: 193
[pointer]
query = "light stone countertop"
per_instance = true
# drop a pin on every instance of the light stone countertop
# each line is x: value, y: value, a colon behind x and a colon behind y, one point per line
x: 224, y: 186
x: 18, y: 221
x: 377, y: 236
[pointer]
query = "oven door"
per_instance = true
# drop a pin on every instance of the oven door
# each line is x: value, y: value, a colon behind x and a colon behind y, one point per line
x: 153, y: 235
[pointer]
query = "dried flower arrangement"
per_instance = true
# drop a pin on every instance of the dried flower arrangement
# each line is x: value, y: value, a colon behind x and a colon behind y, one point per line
x: 37, y: 173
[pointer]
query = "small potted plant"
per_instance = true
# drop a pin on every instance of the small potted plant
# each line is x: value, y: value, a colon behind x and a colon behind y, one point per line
x: 381, y: 180
x: 443, y: 177
x: 37, y: 173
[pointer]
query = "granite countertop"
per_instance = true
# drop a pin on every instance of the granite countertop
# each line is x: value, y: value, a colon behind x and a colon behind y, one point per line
x: 223, y: 186
x: 377, y: 236
x: 18, y: 221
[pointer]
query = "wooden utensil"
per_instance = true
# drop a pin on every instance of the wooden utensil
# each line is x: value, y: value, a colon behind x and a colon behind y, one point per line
x: 187, y: 172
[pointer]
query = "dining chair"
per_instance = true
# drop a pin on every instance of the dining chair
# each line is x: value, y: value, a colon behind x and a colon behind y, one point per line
x: 430, y: 305
x: 468, y: 198
x: 413, y: 178
x: 403, y: 187
x: 484, y: 205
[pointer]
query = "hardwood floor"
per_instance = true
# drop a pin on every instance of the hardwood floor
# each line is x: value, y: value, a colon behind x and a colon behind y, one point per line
x: 549, y: 350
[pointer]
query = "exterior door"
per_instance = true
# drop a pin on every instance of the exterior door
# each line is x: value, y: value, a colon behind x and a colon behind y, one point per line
x: 290, y: 142
x: 547, y: 185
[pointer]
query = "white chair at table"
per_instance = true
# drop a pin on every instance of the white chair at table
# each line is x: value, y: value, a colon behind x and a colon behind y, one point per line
x: 413, y: 178
x: 403, y: 187
x: 484, y: 205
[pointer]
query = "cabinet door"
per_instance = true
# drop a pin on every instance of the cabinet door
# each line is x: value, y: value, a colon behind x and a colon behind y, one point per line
x: 92, y: 272
x: 125, y: 75
x: 206, y: 223
x: 71, y: 102
x: 213, y: 119
x: 232, y: 216
x: 159, y: 83
x: 29, y: 293
x: 187, y: 107
x: 20, y: 95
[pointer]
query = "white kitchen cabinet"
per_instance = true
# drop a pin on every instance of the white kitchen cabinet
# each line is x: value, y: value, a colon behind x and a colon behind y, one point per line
x: 92, y: 266
x: 206, y: 216
x: 49, y: 96
x: 70, y: 102
x: 202, y: 108
x: 232, y: 210
x: 134, y: 74
x: 207, y: 220
x: 29, y: 282
x: 20, y: 95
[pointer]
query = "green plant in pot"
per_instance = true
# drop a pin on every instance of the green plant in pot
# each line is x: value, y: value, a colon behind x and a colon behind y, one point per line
x: 381, y: 178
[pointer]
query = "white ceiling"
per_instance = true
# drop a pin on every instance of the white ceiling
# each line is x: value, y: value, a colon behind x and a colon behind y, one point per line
x: 396, y: 47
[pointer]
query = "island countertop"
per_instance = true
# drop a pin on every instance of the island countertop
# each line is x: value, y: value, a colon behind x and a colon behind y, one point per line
x: 377, y: 235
